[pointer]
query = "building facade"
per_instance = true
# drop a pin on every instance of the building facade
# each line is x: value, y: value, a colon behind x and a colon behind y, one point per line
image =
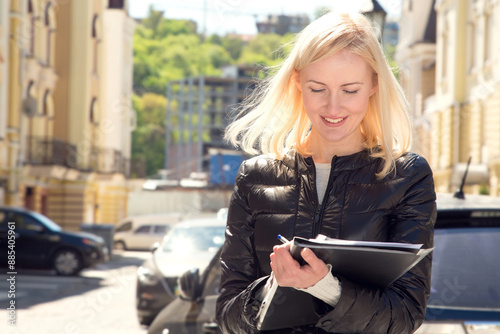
x: 461, y: 118
x: 69, y: 115
x: 4, y: 65
x: 416, y: 56
x: 282, y: 24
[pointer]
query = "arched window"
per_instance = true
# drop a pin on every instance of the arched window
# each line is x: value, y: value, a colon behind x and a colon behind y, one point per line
x: 46, y: 102
x: 96, y: 39
x: 30, y: 103
x: 32, y: 18
x: 94, y: 112
x: 94, y: 26
x: 48, y: 29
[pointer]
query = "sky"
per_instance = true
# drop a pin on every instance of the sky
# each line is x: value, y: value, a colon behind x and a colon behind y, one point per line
x: 239, y: 16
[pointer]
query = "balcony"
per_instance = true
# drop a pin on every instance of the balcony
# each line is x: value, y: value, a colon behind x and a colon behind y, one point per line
x: 44, y: 151
x: 50, y: 151
x: 108, y: 160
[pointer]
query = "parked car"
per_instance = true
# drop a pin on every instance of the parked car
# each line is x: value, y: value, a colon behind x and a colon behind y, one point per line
x: 141, y: 232
x: 465, y: 288
x: 189, y: 244
x: 35, y: 241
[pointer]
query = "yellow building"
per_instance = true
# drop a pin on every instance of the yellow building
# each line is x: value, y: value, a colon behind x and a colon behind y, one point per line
x: 70, y: 122
x: 461, y: 118
x: 416, y: 54
x: 4, y: 65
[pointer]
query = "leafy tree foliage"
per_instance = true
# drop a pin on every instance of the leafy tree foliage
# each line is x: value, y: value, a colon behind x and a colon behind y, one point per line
x: 166, y: 50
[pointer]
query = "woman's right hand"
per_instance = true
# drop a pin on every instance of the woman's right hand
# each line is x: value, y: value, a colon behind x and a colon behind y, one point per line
x: 289, y: 273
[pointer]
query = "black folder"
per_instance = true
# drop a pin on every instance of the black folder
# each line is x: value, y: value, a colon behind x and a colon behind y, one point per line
x: 371, y: 264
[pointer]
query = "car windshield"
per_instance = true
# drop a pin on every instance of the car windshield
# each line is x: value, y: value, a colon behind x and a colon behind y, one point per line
x: 47, y: 222
x: 466, y: 269
x: 194, y: 238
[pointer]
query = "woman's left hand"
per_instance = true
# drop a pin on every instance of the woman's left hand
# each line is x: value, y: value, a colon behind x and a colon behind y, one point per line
x: 288, y: 272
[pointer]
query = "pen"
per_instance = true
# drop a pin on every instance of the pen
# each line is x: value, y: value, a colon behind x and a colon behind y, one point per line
x: 282, y: 239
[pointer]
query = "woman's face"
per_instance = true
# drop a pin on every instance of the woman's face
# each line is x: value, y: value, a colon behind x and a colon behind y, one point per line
x: 335, y: 93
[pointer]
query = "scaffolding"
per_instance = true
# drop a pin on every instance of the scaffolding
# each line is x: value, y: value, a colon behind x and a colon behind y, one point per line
x: 198, y: 112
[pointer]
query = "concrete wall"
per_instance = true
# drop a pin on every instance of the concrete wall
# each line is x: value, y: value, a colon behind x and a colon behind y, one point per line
x: 178, y: 200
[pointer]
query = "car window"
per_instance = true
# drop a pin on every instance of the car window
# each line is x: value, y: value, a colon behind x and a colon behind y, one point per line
x: 212, y: 279
x: 3, y: 221
x: 160, y: 229
x: 145, y: 229
x: 46, y: 221
x: 24, y: 222
x: 468, y: 218
x: 126, y: 226
x: 197, y: 238
x: 465, y: 268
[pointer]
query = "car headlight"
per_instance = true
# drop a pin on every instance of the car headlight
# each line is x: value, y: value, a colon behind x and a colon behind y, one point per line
x: 90, y: 242
x: 147, y: 276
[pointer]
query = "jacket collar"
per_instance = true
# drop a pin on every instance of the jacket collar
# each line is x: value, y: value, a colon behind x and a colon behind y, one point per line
x: 295, y: 160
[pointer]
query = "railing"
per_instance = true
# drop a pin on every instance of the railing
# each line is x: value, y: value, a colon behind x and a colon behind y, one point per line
x: 108, y: 160
x: 43, y: 151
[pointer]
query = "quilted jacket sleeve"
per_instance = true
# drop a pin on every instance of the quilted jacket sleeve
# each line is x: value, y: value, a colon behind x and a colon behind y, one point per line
x: 236, y: 305
x: 400, y: 308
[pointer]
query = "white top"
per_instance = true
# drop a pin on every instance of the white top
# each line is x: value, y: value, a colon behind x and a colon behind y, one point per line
x: 327, y: 289
x: 322, y: 176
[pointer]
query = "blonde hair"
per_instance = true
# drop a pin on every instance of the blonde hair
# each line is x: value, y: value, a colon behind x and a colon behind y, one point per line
x: 273, y: 120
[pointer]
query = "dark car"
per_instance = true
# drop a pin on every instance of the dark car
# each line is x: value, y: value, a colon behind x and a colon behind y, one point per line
x: 29, y: 239
x: 465, y: 288
x: 189, y: 244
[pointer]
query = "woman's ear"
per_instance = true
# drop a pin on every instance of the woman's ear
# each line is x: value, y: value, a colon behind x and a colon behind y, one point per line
x: 296, y: 79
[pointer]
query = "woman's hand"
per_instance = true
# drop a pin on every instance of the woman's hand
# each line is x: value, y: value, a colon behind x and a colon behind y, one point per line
x: 288, y: 272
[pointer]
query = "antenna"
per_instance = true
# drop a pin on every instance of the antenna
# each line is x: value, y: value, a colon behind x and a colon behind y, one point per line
x: 460, y: 193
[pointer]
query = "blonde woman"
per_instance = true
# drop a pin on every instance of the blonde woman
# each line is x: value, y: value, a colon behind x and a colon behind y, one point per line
x: 333, y: 131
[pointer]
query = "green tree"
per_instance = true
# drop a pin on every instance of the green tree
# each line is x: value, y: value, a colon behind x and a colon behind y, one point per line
x: 148, y: 139
x: 166, y: 50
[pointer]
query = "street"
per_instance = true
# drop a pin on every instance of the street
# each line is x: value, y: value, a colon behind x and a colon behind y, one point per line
x: 99, y: 300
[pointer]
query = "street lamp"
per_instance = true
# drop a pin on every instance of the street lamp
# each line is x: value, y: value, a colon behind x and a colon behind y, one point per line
x: 376, y: 14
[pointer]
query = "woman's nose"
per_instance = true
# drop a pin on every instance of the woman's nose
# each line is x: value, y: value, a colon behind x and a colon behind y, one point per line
x: 333, y: 105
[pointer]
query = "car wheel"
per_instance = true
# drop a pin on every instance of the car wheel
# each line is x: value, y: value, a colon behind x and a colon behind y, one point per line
x: 67, y: 262
x: 120, y: 245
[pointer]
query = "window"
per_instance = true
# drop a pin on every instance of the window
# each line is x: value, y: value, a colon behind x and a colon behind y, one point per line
x: 488, y: 29
x: 49, y: 34
x: 116, y: 4
x: 160, y: 229
x: 472, y: 49
x: 96, y: 40
x: 444, y: 62
x: 31, y: 14
x: 212, y: 277
x: 127, y: 226
x: 143, y: 229
x: 2, y: 218
x: 45, y: 110
x: 94, y: 112
x: 465, y: 270
x: 25, y: 222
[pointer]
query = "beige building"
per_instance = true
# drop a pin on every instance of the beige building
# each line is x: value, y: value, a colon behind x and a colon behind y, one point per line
x: 70, y: 121
x: 416, y: 54
x: 461, y: 117
x: 4, y: 65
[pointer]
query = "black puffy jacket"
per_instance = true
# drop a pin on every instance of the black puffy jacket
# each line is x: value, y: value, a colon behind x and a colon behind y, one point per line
x: 274, y: 197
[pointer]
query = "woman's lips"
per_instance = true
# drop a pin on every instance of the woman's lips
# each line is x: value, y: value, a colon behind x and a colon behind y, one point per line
x: 333, y: 121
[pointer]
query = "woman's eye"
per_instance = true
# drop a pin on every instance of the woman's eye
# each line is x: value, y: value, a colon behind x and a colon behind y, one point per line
x: 317, y: 90
x: 351, y: 91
